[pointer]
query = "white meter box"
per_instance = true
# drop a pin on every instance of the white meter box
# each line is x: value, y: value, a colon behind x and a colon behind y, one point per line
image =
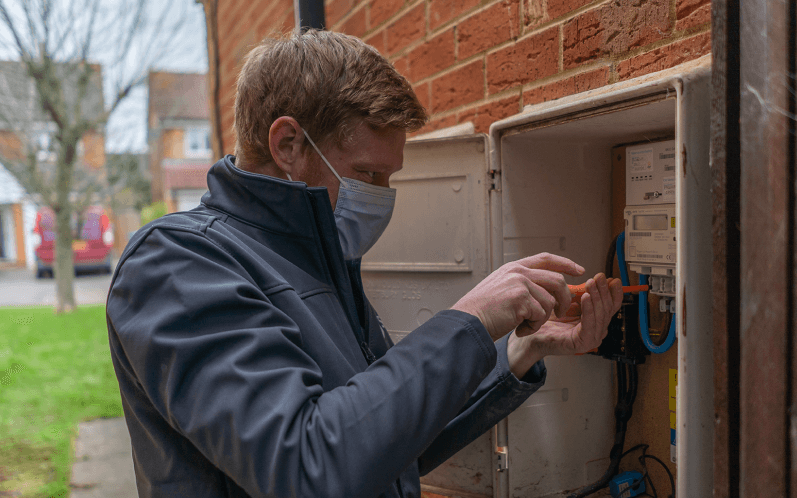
x: 650, y: 236
x: 650, y: 174
x: 543, y: 182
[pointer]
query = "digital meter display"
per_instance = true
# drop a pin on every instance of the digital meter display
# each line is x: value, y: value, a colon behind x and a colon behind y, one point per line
x: 650, y: 222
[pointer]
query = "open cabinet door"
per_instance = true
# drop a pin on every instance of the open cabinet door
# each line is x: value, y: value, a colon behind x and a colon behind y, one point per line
x: 433, y: 252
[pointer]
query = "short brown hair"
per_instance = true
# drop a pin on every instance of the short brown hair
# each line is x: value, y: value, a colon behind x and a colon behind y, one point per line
x: 324, y: 80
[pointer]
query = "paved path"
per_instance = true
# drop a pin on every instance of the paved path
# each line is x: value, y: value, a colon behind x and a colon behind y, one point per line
x: 103, y: 464
x: 20, y: 287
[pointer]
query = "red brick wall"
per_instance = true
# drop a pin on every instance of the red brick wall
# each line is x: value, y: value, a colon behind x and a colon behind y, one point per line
x: 481, y: 61
x: 241, y: 25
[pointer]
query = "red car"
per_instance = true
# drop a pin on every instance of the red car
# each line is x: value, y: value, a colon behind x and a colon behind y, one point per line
x: 93, y: 239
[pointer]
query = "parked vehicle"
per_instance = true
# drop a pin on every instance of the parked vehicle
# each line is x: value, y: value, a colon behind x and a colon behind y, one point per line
x: 91, y: 245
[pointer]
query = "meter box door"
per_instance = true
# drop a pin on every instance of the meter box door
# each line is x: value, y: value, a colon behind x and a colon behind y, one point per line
x: 555, y: 165
x: 433, y: 252
x: 441, y: 242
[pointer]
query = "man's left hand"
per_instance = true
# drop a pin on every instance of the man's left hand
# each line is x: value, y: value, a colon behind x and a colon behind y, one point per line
x: 571, y: 334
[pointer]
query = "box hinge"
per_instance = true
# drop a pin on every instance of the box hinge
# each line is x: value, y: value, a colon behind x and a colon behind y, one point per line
x: 501, y: 458
x: 494, y: 178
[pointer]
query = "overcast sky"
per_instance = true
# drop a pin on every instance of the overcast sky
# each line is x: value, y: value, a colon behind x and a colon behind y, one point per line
x: 127, y: 128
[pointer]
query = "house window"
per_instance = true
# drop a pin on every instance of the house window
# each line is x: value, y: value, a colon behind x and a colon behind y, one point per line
x: 44, y: 146
x: 197, y: 142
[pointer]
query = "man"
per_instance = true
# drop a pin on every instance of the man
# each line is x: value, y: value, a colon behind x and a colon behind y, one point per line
x: 249, y: 359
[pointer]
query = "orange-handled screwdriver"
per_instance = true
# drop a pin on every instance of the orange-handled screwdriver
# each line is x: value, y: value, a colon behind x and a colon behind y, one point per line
x: 578, y: 290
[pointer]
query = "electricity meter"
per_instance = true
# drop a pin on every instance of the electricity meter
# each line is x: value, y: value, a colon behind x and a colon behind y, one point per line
x: 650, y: 245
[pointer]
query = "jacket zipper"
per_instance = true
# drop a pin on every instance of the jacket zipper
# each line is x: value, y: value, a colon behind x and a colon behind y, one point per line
x: 369, y: 356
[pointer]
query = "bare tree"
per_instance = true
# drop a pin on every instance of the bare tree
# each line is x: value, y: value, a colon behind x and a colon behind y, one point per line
x: 65, y: 49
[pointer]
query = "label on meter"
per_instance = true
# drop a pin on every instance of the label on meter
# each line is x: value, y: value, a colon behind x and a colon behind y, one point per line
x: 650, y: 174
x: 650, y: 234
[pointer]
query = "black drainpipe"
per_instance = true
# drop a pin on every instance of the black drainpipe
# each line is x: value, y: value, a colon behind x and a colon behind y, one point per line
x: 309, y: 14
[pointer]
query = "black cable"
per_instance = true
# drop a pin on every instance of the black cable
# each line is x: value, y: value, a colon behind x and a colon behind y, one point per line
x: 646, y: 474
x: 627, y: 383
x: 608, y: 268
x: 666, y: 469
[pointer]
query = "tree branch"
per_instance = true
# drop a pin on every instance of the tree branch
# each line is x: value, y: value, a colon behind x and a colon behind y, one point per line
x: 23, y: 52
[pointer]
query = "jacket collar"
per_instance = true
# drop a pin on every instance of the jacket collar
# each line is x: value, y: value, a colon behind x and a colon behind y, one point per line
x: 263, y: 200
x: 292, y: 209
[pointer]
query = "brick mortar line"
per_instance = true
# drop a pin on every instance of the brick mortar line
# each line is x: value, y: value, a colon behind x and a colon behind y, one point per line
x: 348, y: 15
x: 567, y: 17
x: 395, y: 17
x: 562, y: 76
x: 427, y: 20
x: 561, y: 59
x: 521, y: 36
x: 478, y: 10
x: 485, y: 84
x: 457, y: 65
x: 569, y: 73
x: 673, y: 14
x: 614, y: 59
x: 429, y: 35
x: 472, y: 105
x: 685, y: 35
x: 468, y: 13
x: 693, y: 30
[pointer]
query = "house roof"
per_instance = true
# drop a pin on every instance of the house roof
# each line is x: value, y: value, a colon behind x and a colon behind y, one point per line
x: 178, y: 96
x: 11, y: 191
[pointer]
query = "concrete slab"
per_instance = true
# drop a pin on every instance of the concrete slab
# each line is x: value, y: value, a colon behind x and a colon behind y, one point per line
x: 103, y: 461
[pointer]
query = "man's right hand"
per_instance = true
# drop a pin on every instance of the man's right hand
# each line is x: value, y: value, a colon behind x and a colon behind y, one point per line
x: 527, y: 290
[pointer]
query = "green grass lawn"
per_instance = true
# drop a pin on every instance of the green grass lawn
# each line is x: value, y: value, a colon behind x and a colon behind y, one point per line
x: 55, y: 371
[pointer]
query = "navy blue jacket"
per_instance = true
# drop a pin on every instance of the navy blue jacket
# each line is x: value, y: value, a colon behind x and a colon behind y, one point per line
x: 250, y: 362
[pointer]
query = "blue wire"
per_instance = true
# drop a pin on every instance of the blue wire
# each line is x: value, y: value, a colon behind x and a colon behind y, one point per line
x: 644, y: 327
x: 644, y: 320
x: 620, y: 246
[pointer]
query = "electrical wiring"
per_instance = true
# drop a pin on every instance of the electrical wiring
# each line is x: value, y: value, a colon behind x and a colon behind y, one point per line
x: 644, y: 321
x: 627, y: 384
x: 646, y: 474
x: 620, y: 248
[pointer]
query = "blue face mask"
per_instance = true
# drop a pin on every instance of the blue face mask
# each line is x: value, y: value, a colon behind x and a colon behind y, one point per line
x: 362, y: 212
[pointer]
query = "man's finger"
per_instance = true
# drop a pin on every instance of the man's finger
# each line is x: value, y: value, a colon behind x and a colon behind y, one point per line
x: 594, y: 298
x: 588, y: 323
x: 556, y: 286
x: 552, y: 262
x: 605, y: 297
x: 542, y: 299
x: 616, y: 288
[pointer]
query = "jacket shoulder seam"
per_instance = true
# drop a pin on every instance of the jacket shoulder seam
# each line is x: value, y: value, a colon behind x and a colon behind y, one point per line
x: 228, y: 216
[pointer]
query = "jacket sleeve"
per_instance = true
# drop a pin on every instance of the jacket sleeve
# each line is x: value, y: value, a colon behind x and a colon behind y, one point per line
x: 499, y: 394
x: 225, y: 368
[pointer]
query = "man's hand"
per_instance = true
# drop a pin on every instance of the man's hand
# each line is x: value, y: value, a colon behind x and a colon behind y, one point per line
x: 524, y: 292
x: 572, y: 334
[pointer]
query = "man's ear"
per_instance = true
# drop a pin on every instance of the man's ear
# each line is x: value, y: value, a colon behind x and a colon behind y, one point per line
x: 285, y: 140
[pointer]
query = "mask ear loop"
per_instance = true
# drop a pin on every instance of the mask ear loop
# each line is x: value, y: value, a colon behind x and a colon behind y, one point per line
x: 323, y: 158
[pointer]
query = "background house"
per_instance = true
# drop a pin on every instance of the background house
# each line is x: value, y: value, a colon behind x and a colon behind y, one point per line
x: 179, y: 138
x: 25, y: 129
x: 17, y: 217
